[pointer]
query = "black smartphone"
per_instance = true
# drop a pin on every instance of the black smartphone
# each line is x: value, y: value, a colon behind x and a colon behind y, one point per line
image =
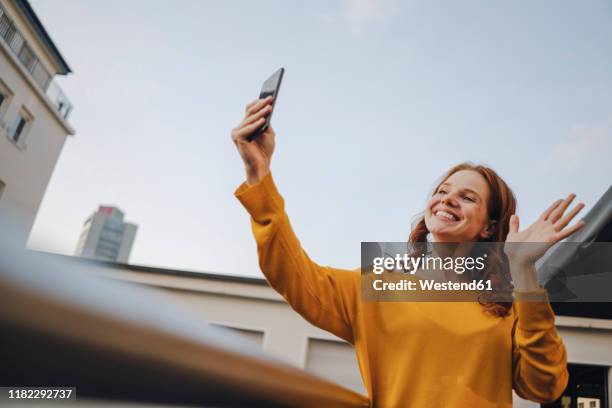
x: 269, y: 88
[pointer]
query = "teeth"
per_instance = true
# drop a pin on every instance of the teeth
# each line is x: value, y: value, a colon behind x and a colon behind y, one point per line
x: 446, y: 215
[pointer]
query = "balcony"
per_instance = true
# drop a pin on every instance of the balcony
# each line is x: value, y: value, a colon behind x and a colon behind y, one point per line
x: 30, y: 62
x: 59, y: 99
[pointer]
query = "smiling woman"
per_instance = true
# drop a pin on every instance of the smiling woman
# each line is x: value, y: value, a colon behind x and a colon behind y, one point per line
x: 428, y: 354
x: 457, y: 212
x: 471, y: 203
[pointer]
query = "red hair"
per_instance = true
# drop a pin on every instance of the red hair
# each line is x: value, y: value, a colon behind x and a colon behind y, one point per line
x: 501, y: 206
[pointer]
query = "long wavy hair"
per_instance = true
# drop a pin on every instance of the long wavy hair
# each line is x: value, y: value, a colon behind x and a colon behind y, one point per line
x: 501, y: 206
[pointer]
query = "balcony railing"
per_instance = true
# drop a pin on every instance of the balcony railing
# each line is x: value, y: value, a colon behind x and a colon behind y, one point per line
x: 24, y: 53
x: 59, y: 98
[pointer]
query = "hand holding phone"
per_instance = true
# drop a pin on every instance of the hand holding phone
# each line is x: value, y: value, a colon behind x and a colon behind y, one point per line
x: 256, y: 122
x: 270, y: 87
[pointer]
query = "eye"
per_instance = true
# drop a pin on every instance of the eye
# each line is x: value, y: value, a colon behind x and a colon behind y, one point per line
x: 468, y: 198
x: 441, y: 191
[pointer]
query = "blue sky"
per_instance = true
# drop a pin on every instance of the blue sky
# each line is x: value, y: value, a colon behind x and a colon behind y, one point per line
x: 379, y: 99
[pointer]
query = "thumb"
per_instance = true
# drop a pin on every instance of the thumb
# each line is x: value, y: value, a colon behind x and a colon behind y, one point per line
x: 514, y: 223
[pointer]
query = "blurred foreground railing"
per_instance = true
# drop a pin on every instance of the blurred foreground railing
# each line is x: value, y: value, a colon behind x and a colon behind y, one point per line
x: 116, y: 341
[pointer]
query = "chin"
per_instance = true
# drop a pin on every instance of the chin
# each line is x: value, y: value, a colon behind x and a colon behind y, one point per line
x: 446, y: 238
x: 444, y: 235
x: 442, y: 232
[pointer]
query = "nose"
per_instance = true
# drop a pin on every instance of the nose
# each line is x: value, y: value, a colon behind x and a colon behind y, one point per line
x: 449, y: 200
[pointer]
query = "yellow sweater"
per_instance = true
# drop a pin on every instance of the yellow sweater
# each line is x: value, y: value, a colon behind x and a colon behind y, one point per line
x: 412, y: 354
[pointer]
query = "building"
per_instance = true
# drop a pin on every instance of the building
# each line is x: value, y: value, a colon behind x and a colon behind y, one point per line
x: 106, y: 236
x: 33, y: 114
x: 250, y: 307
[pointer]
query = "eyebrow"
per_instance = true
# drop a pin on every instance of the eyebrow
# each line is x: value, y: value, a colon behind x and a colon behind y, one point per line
x: 463, y: 189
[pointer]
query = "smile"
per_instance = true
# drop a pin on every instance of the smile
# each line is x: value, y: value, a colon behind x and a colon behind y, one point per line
x: 446, y: 216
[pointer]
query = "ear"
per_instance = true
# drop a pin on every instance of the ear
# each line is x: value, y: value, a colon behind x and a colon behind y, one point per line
x: 489, y: 230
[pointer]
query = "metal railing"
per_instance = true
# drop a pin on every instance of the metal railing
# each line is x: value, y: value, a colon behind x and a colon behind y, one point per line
x: 24, y: 53
x: 114, y: 343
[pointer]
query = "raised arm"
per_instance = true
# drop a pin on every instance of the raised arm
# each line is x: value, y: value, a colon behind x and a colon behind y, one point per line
x: 325, y: 296
x: 539, y: 356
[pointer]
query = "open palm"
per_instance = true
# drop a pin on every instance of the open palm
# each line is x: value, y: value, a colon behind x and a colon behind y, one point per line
x: 548, y: 229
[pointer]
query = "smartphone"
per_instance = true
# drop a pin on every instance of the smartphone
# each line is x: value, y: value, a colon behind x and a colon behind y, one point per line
x: 269, y: 88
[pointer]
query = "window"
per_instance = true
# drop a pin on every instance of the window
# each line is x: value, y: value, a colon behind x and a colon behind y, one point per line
x: 7, y: 30
x: 20, y: 127
x: 27, y: 57
x: 5, y: 100
x: 14, y: 39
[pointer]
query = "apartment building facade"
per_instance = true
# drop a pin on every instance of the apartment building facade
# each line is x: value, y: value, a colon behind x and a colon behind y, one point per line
x: 34, y: 114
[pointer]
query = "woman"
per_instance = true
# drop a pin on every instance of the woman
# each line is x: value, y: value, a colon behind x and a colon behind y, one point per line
x: 419, y: 354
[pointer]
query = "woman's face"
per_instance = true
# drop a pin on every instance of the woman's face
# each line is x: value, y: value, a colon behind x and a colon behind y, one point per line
x: 457, y: 212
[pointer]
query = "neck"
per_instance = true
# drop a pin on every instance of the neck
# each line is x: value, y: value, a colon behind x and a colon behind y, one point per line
x: 444, y: 248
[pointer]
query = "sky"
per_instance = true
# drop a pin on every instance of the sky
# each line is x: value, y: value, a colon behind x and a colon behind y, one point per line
x: 379, y: 99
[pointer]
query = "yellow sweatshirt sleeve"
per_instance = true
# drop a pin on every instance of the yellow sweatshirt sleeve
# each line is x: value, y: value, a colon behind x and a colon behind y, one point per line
x: 539, y: 356
x: 324, y: 296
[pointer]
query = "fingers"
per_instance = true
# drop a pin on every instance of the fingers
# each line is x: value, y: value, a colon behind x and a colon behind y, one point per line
x: 560, y: 221
x: 514, y: 223
x: 557, y: 213
x: 246, y: 109
x: 256, y: 105
x: 567, y: 232
x: 563, y: 222
x: 256, y: 116
x: 241, y: 133
x: 549, y: 210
